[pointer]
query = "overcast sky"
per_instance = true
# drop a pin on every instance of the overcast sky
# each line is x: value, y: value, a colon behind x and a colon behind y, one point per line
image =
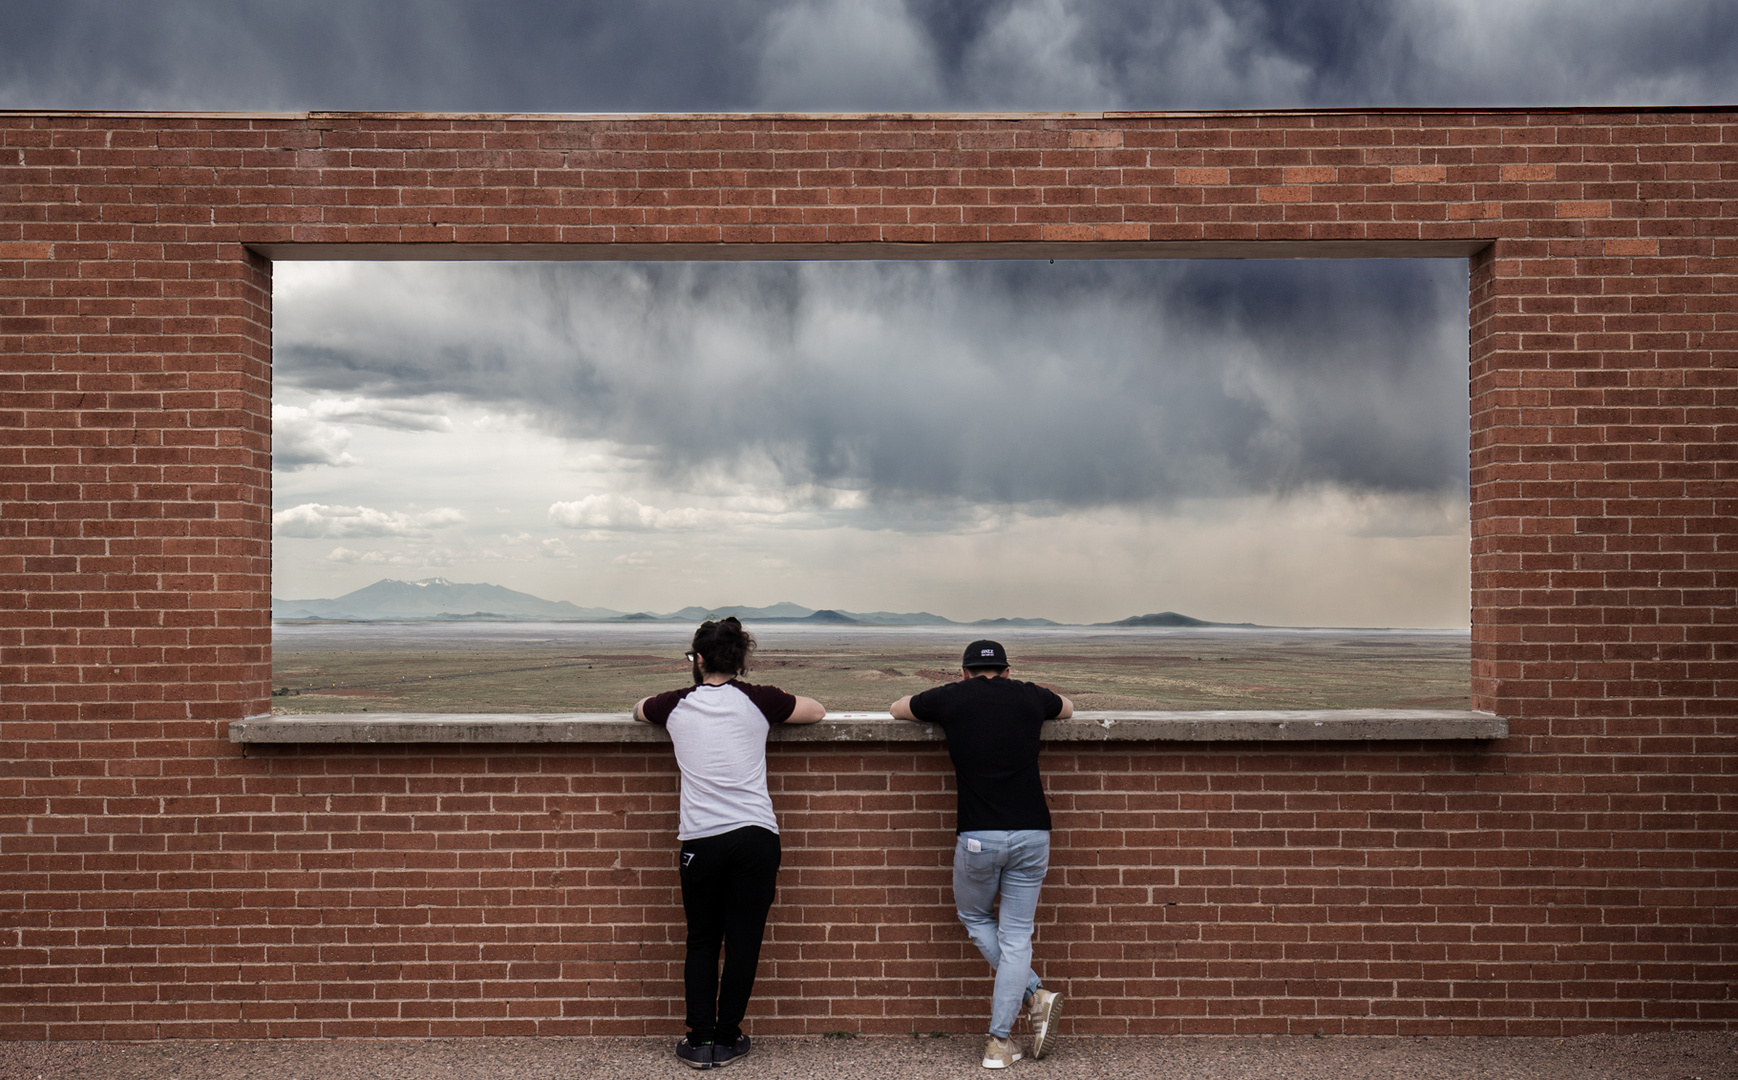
x: 1242, y: 441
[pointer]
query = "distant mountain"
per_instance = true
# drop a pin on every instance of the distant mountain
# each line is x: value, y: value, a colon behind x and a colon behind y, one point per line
x: 784, y: 609
x: 435, y: 598
x: 1167, y: 618
x: 389, y: 600
x: 831, y: 617
x: 787, y: 612
x: 896, y: 618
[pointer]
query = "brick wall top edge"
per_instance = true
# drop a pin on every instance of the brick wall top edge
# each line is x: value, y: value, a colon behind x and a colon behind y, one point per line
x: 1508, y: 112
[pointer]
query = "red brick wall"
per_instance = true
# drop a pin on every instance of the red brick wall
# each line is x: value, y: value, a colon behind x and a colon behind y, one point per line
x: 1581, y: 875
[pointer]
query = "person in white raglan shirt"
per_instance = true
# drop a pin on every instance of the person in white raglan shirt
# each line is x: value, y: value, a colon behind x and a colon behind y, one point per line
x: 730, y: 846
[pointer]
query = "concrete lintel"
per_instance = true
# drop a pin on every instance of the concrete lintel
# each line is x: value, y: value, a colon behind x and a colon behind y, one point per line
x: 1035, y: 249
x: 1267, y: 725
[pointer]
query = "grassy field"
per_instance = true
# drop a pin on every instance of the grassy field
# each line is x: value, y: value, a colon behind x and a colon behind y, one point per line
x: 588, y: 668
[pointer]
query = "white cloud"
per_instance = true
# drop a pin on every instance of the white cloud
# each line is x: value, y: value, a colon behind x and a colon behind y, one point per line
x: 846, y: 54
x: 613, y: 512
x: 398, y: 416
x: 316, y: 520
x: 348, y: 557
x: 1521, y: 52
x: 301, y: 440
x: 1033, y: 54
x: 802, y: 506
x: 352, y: 557
x: 311, y: 435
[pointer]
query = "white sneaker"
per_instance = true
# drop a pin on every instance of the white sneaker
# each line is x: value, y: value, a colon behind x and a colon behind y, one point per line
x: 1042, y: 1011
x: 1001, y: 1053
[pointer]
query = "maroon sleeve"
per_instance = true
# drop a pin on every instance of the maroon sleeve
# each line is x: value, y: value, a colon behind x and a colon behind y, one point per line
x: 658, y: 707
x: 773, y: 703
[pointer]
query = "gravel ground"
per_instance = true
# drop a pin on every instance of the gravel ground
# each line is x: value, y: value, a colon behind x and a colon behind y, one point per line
x: 1659, y: 1056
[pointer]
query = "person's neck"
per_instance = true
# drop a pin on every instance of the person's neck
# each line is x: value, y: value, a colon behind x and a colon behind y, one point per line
x: 714, y: 679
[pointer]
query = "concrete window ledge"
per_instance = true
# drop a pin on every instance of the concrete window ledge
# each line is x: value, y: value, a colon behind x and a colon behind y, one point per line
x: 1267, y: 725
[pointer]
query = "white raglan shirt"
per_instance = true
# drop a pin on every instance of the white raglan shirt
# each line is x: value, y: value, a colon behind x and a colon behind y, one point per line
x: 719, y: 733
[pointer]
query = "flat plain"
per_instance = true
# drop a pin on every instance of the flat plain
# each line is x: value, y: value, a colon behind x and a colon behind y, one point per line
x: 600, y: 667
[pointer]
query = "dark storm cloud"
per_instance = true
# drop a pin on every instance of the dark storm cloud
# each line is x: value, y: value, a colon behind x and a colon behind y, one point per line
x: 1029, y: 384
x: 410, y: 55
x: 733, y: 55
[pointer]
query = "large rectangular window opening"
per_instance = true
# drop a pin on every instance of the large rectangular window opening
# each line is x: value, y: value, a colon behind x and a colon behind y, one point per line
x: 488, y: 476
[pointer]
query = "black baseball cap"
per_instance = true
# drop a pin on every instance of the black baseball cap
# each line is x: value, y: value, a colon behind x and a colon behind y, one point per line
x: 984, y: 654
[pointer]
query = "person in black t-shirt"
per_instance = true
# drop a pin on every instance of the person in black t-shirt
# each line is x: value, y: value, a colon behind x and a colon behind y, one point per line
x: 992, y: 724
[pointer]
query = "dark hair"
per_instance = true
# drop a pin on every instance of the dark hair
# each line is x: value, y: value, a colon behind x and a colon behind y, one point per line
x: 723, y: 646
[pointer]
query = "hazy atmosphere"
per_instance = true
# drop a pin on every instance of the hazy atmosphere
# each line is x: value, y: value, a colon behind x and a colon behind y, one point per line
x: 1282, y: 443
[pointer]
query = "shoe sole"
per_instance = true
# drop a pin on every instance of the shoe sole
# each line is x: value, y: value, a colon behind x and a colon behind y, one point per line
x: 1043, y: 1037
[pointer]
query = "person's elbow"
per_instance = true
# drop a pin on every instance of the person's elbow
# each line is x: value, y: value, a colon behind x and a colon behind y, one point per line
x: 901, y: 709
x: 1067, y: 709
x: 807, y: 711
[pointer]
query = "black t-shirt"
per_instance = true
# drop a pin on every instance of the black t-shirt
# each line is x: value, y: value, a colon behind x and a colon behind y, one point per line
x: 992, y: 736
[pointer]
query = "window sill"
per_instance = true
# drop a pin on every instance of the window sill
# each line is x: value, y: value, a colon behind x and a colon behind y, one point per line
x: 1268, y: 725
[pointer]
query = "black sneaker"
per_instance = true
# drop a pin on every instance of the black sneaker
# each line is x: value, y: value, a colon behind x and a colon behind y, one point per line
x: 724, y: 1053
x: 695, y: 1056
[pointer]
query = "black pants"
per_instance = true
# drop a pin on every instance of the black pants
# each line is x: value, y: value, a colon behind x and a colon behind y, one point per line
x: 727, y: 887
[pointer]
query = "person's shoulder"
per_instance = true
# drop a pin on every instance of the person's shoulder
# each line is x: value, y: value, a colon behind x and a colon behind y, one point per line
x: 775, y: 704
x: 1047, y: 700
x: 946, y: 687
x: 1022, y: 690
x: 938, y: 691
x: 751, y: 689
x: 658, y: 707
x: 925, y: 703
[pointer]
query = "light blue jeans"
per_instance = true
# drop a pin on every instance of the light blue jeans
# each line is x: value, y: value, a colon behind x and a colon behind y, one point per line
x: 1012, y: 864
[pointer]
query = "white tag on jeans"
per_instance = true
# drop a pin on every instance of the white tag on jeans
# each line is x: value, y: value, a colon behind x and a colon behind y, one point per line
x: 973, y: 845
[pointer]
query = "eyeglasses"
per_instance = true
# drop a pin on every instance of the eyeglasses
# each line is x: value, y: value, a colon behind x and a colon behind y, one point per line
x: 690, y: 656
